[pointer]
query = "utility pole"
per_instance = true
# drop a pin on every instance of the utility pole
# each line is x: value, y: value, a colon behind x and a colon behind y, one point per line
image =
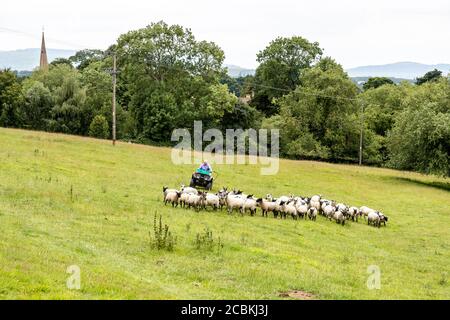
x: 361, y: 133
x: 114, y: 73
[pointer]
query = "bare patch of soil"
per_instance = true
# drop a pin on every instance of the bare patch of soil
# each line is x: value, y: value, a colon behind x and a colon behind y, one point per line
x: 298, y: 294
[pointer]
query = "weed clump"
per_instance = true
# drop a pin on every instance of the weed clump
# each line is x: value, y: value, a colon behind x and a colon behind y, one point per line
x: 205, y: 240
x: 162, y: 238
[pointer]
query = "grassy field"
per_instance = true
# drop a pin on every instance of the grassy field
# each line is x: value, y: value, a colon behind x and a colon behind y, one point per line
x: 68, y: 200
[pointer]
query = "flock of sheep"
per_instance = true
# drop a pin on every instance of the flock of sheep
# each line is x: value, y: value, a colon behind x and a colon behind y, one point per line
x: 283, y: 206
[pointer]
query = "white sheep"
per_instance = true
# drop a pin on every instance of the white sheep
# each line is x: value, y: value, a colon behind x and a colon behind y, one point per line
x: 268, y: 206
x: 234, y: 202
x: 364, y: 211
x: 373, y: 218
x: 289, y: 208
x: 166, y: 190
x: 183, y: 199
x: 172, y: 197
x: 249, y: 204
x: 302, y: 208
x: 188, y: 190
x: 339, y: 217
x: 329, y: 211
x: 212, y: 200
x: 312, y: 213
x: 195, y: 200
x: 353, y: 213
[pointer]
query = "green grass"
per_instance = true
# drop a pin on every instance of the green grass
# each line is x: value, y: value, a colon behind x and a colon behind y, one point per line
x: 68, y: 200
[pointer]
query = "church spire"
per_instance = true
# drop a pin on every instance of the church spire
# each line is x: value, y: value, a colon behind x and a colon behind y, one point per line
x: 43, y: 63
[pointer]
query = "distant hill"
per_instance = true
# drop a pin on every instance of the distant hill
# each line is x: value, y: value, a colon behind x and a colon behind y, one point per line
x: 403, y: 70
x: 28, y: 59
x: 236, y: 71
x: 361, y: 80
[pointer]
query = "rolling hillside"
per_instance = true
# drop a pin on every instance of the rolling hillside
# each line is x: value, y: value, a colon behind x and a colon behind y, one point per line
x: 403, y: 70
x: 67, y: 200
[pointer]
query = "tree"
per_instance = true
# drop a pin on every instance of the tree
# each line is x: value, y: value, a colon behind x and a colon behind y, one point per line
x: 84, y: 58
x: 99, y: 127
x: 420, y: 138
x: 61, y: 61
x: 430, y: 76
x: 68, y: 98
x: 281, y: 64
x: 11, y: 99
x: 375, y: 82
x: 319, y: 117
x: 39, y: 103
x: 171, y: 80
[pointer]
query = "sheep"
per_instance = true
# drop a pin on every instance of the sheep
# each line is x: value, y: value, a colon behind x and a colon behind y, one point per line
x: 312, y: 213
x: 323, y: 204
x: 166, y: 190
x: 364, y: 211
x: 373, y: 218
x: 282, y: 199
x: 289, y: 208
x: 316, y: 198
x: 329, y: 211
x: 302, y: 208
x: 339, y: 217
x: 222, y: 194
x: 383, y: 218
x: 196, y: 200
x: 183, y: 199
x: 234, y: 202
x: 249, y: 204
x: 353, y: 213
x: 342, y: 207
x: 211, y: 200
x: 268, y: 206
x: 172, y: 197
x: 315, y: 205
x: 188, y: 190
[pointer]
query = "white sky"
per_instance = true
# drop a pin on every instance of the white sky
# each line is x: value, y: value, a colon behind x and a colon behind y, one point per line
x: 354, y: 32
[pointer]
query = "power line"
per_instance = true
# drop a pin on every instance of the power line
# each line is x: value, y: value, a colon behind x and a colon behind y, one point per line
x: 34, y: 36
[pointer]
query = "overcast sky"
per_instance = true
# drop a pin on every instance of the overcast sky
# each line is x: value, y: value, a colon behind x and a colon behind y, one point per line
x: 354, y: 32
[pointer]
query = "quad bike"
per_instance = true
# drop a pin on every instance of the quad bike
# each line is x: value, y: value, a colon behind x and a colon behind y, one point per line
x: 202, y: 178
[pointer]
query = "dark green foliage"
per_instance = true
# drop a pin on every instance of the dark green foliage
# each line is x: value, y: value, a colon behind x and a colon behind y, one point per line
x: 433, y: 75
x: 84, y: 58
x: 280, y: 68
x: 375, y: 82
x: 420, y: 138
x: 320, y: 116
x: 39, y: 103
x: 11, y: 99
x: 99, y: 127
x: 61, y: 61
x: 171, y: 80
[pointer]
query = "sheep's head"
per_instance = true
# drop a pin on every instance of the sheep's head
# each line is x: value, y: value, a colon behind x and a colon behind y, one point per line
x: 165, y: 188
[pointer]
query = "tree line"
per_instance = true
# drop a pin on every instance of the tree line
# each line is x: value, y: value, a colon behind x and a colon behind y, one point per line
x: 167, y: 79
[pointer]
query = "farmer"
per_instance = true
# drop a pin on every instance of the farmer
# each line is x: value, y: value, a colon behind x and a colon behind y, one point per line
x: 205, y: 167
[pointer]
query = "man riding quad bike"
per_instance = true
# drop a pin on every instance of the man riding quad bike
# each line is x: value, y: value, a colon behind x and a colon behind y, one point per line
x: 202, y: 177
